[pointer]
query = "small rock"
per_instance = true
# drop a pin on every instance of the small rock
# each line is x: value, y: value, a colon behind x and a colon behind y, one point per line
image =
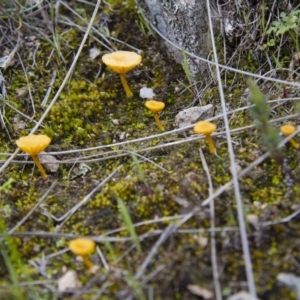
x: 146, y: 93
x: 201, y: 240
x: 252, y: 219
x: 49, y: 161
x: 94, y: 52
x: 191, y: 115
x: 122, y: 136
x: 20, y: 125
x: 31, y: 38
x: 200, y: 291
x: 81, y: 170
x: 290, y: 280
x: 69, y: 282
x: 245, y: 96
x: 22, y: 91
x: 37, y: 248
x: 242, y: 296
x: 115, y: 121
x: 229, y: 28
x: 94, y: 269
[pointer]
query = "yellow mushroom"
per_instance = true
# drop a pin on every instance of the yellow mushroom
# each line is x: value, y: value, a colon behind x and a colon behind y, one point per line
x: 122, y: 62
x: 155, y: 107
x: 83, y: 247
x: 206, y: 128
x: 33, y: 145
x: 287, y: 130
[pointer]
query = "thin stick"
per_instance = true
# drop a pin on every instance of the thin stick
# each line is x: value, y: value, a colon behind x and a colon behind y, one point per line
x: 103, y: 260
x: 214, y: 261
x: 243, y: 232
x: 121, y: 153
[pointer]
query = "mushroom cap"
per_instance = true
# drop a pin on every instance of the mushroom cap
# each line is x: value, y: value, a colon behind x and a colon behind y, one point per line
x: 82, y: 246
x: 287, y: 129
x: 204, y: 127
x: 154, y: 105
x: 122, y: 61
x: 33, y: 144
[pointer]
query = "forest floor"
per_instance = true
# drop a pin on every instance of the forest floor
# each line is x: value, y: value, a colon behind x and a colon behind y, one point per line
x: 161, y: 208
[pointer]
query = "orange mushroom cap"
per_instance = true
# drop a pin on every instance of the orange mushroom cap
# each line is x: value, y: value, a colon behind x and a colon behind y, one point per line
x: 204, y: 127
x: 33, y: 144
x: 122, y: 61
x: 287, y: 129
x: 82, y: 246
x: 155, y: 106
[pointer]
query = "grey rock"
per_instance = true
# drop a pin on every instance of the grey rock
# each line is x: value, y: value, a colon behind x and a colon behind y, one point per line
x: 49, y: 161
x: 242, y: 296
x: 194, y: 114
x: 291, y: 281
x: 69, y: 282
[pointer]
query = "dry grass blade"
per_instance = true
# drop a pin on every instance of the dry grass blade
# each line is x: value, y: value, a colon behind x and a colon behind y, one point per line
x: 243, y: 232
x: 217, y: 286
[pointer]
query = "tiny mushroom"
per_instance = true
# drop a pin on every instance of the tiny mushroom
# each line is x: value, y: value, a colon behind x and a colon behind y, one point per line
x: 34, y: 144
x: 206, y: 128
x: 122, y: 62
x: 287, y: 130
x: 83, y: 247
x: 155, y: 107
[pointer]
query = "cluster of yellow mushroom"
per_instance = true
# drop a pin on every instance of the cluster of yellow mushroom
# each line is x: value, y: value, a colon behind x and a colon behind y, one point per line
x: 35, y: 144
x: 122, y: 62
x: 207, y: 128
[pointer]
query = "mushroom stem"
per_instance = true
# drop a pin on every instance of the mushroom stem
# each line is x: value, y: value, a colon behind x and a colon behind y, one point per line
x: 294, y: 143
x: 157, y: 120
x: 39, y: 166
x: 87, y: 261
x: 211, y: 144
x: 126, y: 87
